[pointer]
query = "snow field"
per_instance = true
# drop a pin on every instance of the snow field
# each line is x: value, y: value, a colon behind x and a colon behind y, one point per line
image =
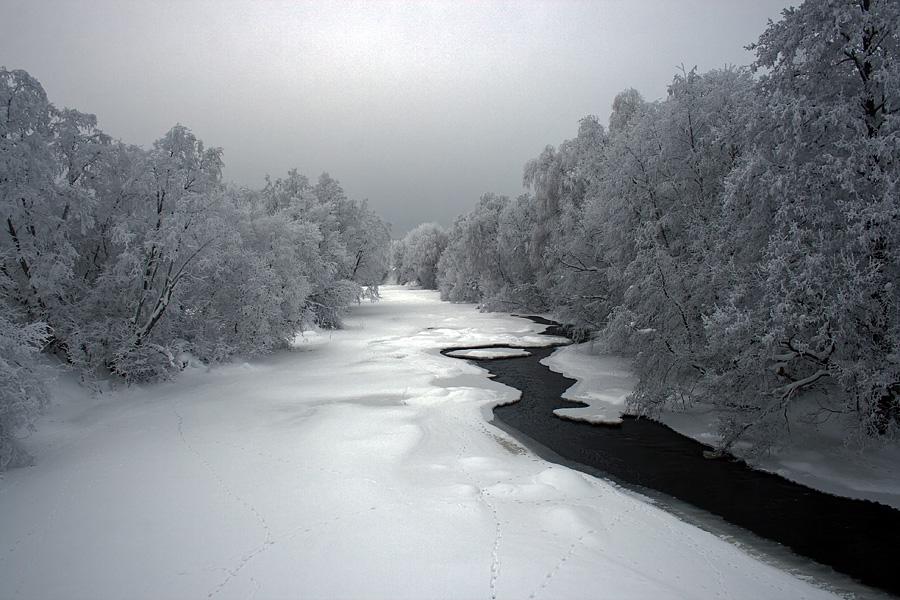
x: 358, y: 465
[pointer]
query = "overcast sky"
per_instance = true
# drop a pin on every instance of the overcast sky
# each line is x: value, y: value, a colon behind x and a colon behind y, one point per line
x: 420, y: 107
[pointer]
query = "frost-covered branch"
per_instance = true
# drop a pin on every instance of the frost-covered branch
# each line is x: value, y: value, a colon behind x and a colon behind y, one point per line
x: 788, y: 391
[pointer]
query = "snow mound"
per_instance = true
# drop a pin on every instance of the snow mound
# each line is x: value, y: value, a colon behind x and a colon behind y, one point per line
x: 488, y: 353
x: 603, y: 384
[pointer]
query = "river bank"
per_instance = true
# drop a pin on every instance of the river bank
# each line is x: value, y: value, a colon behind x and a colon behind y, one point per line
x: 855, y: 537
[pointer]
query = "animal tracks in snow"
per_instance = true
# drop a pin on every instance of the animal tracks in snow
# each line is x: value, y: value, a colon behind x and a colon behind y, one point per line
x: 476, y: 469
x: 554, y: 499
x: 267, y: 540
x: 563, y: 560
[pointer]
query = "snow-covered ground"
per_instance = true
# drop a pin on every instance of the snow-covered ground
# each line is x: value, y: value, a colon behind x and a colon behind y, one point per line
x: 488, y: 353
x: 818, y: 459
x: 603, y: 384
x: 358, y: 465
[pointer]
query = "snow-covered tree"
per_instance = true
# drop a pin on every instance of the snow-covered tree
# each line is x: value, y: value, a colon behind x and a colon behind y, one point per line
x: 820, y: 181
x: 658, y: 210
x: 490, y: 256
x: 167, y: 216
x: 367, y: 239
x: 737, y: 240
x: 249, y: 296
x: 43, y: 154
x: 418, y: 255
x: 456, y: 279
x: 570, y: 272
x: 353, y: 247
x: 516, y: 289
x: 23, y: 391
x: 129, y: 260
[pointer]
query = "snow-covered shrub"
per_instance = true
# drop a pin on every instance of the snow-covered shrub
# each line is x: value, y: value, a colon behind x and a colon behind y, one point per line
x: 23, y: 391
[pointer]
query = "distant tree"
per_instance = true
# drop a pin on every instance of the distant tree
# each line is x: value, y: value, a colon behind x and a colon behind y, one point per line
x: 556, y: 187
x: 420, y: 252
x: 489, y: 258
x: 353, y: 248
x: 398, y: 258
x: 571, y: 272
x: 455, y: 277
x: 367, y: 238
x: 515, y: 288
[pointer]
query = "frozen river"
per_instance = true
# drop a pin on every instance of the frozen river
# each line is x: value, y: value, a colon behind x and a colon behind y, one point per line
x: 360, y: 464
x: 856, y: 537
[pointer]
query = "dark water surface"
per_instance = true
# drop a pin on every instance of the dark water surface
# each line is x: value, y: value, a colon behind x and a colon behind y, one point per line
x: 856, y: 537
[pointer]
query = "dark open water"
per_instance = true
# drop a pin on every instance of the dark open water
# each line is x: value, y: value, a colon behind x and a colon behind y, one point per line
x: 855, y: 537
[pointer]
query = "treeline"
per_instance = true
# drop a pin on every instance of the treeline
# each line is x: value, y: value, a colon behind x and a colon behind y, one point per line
x: 738, y: 240
x: 133, y: 261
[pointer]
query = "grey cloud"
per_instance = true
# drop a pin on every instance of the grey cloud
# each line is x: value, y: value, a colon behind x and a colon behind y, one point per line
x: 421, y: 107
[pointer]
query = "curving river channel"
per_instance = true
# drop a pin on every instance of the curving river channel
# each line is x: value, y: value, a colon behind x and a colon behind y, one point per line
x: 855, y: 537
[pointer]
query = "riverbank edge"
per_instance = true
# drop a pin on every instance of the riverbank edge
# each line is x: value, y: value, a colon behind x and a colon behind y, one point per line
x: 840, y: 468
x: 766, y: 551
